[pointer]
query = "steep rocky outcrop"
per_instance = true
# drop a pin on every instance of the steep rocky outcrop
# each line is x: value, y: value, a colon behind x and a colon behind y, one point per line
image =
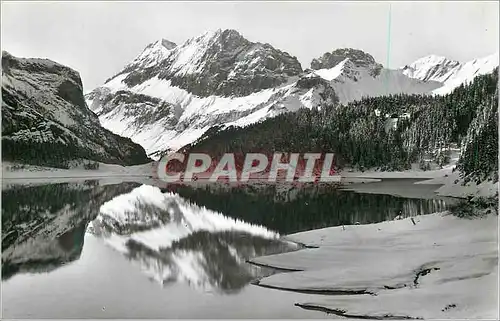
x: 45, y: 119
x: 356, y: 57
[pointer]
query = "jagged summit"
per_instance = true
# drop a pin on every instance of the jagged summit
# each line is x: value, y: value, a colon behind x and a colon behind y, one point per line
x: 220, y: 32
x: 330, y: 59
x: 355, y: 74
x: 349, y: 58
x: 168, y: 44
x: 220, y: 62
x: 151, y: 56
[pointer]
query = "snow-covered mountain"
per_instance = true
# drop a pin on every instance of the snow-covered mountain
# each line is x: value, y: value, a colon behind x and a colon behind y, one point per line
x: 432, y: 67
x: 354, y: 74
x: 45, y: 118
x: 449, y: 72
x: 221, y: 63
x: 169, y: 96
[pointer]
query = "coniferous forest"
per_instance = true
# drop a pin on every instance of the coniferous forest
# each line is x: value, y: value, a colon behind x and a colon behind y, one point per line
x: 387, y: 133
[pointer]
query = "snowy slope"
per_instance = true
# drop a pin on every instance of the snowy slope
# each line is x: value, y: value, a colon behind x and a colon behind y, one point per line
x: 432, y: 67
x: 152, y: 55
x: 388, y: 82
x: 221, y: 63
x: 184, y: 117
x: 451, y: 73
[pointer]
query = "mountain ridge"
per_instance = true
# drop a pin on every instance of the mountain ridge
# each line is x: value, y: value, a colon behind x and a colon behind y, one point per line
x: 220, y: 79
x: 450, y: 72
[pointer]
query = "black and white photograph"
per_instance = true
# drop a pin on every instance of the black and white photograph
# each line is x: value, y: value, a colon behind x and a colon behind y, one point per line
x: 250, y: 160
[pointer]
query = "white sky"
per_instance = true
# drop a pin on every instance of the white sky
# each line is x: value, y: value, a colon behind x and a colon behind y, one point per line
x: 99, y: 38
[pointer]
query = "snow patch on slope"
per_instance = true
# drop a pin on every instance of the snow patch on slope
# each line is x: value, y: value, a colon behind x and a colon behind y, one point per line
x: 154, y: 54
x: 352, y: 82
x: 332, y: 73
x: 186, y: 59
x: 193, y: 114
x: 388, y: 82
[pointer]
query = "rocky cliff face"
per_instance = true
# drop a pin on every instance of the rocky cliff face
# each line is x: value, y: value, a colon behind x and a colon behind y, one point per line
x: 357, y: 59
x: 45, y: 119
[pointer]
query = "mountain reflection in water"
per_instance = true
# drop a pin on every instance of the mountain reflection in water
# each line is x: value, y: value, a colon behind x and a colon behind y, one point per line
x: 43, y: 226
x: 176, y: 241
x: 288, y: 209
x: 196, y: 236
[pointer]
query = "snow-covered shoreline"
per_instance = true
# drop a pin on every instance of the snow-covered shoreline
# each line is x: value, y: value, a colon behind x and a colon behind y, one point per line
x: 444, y: 177
x: 435, y: 266
x: 440, y: 267
x: 21, y: 174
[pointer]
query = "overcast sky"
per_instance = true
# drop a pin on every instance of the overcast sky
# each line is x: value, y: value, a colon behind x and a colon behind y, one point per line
x: 99, y: 38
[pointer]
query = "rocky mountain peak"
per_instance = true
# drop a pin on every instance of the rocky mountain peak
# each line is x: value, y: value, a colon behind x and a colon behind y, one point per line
x: 330, y: 59
x: 219, y: 39
x: 168, y: 44
x: 351, y: 59
x: 230, y: 35
x: 220, y: 62
x: 151, y: 56
x: 39, y: 65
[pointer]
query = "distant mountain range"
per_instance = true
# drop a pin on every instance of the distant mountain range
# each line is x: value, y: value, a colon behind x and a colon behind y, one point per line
x: 170, y: 95
x: 449, y: 72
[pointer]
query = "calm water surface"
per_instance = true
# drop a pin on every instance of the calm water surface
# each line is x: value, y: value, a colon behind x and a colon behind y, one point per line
x: 86, y: 250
